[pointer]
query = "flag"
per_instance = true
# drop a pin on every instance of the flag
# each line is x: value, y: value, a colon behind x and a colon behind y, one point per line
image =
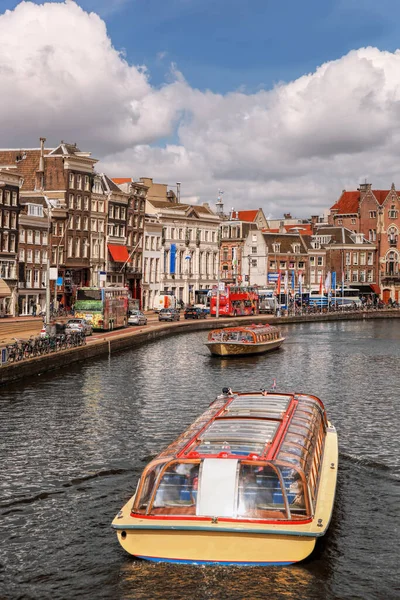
x: 328, y: 282
x: 321, y: 286
x: 286, y: 282
x: 278, y: 285
x: 293, y: 280
x: 300, y: 280
x: 333, y: 281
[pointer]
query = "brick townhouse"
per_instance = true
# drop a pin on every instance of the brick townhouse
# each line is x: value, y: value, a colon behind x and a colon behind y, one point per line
x: 375, y: 214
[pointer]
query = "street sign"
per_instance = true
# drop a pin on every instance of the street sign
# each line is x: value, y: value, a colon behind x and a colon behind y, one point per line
x: 3, y: 356
x: 273, y: 277
x: 59, y: 280
x: 53, y: 273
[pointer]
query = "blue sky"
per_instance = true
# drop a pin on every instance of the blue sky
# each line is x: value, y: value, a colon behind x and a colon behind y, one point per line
x: 281, y: 104
x: 226, y: 45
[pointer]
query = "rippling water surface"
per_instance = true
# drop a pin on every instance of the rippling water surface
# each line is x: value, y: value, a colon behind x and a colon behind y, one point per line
x: 73, y: 443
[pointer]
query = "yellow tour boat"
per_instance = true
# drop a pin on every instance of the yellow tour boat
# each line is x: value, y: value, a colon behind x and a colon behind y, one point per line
x: 251, y: 482
x: 240, y: 341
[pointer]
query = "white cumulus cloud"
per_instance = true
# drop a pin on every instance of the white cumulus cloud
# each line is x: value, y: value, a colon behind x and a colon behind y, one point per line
x: 291, y: 148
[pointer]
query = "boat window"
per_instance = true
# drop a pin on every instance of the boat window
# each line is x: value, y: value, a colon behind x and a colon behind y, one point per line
x: 177, y: 490
x: 294, y: 490
x: 270, y: 406
x: 259, y: 493
x: 145, y: 490
x: 237, y: 436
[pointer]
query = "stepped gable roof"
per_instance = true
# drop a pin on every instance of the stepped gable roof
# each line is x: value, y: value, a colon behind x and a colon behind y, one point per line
x: 286, y: 241
x: 247, y: 215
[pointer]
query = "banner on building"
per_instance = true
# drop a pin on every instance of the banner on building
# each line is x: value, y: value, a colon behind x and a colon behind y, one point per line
x: 172, y: 258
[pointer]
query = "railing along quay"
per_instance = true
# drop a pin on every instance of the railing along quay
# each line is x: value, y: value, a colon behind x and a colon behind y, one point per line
x: 111, y: 342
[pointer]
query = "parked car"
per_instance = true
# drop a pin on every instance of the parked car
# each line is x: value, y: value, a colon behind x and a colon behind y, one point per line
x: 169, y: 314
x: 78, y: 325
x: 193, y: 312
x: 136, y: 317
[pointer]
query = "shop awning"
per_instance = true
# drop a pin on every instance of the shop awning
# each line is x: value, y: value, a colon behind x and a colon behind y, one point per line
x: 375, y: 288
x: 5, y: 291
x: 118, y: 253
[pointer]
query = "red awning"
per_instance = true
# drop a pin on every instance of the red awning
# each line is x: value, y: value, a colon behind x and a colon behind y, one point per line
x: 375, y: 288
x: 118, y: 253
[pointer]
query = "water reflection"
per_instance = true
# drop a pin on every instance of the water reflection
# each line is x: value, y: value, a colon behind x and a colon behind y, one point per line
x: 73, y: 444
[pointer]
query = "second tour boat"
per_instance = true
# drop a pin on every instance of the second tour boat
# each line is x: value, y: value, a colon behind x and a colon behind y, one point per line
x: 241, y: 341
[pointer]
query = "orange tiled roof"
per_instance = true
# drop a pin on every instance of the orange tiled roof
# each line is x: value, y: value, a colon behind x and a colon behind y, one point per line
x: 347, y: 203
x: 247, y: 215
x: 119, y: 180
x: 303, y: 228
x: 381, y: 195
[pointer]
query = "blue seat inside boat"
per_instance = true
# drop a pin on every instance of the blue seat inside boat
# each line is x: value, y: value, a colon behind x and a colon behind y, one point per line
x: 278, y: 498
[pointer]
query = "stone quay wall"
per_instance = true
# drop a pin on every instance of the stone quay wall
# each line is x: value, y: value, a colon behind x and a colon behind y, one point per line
x: 110, y: 344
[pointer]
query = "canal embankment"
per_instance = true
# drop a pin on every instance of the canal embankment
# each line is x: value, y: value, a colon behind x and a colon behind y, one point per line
x: 117, y: 341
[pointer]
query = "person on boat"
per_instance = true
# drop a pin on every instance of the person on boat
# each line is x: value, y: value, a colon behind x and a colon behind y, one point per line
x: 296, y: 488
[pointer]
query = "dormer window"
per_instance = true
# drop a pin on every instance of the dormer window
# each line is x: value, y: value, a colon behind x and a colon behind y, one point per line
x: 276, y: 247
x: 316, y: 244
x: 296, y: 248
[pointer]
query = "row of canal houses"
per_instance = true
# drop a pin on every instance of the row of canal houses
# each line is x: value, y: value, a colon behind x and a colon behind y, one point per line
x: 59, y: 215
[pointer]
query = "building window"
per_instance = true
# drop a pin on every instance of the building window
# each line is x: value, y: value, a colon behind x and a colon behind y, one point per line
x: 362, y: 276
x: 85, y: 248
x: 22, y: 235
x: 282, y: 264
x: 71, y: 201
x: 276, y: 247
x: 70, y: 246
x: 29, y: 254
x: 78, y: 222
x: 370, y: 275
x: 363, y: 258
x: 111, y: 211
x: 77, y: 248
x: 35, y: 210
x: 372, y: 214
x: 340, y: 221
x: 370, y: 258
x: 71, y: 180
x: 85, y: 223
x: 37, y: 237
x: 7, y: 197
x: 393, y: 213
x: 22, y: 255
x: 355, y: 258
x: 37, y: 256
x: 353, y: 221
x: 79, y: 202
x: 253, y: 262
x: 14, y: 199
x: 301, y: 265
x: 87, y: 183
x: 79, y: 182
x: 1, y: 196
x: 320, y: 261
x: 86, y: 203
x: 348, y: 258
x: 355, y: 276
x: 272, y: 264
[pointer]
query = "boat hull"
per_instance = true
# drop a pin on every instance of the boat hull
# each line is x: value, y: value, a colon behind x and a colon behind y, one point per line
x: 242, y: 349
x: 222, y: 547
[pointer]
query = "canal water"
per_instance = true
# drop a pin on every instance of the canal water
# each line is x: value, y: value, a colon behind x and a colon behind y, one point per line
x: 73, y: 443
